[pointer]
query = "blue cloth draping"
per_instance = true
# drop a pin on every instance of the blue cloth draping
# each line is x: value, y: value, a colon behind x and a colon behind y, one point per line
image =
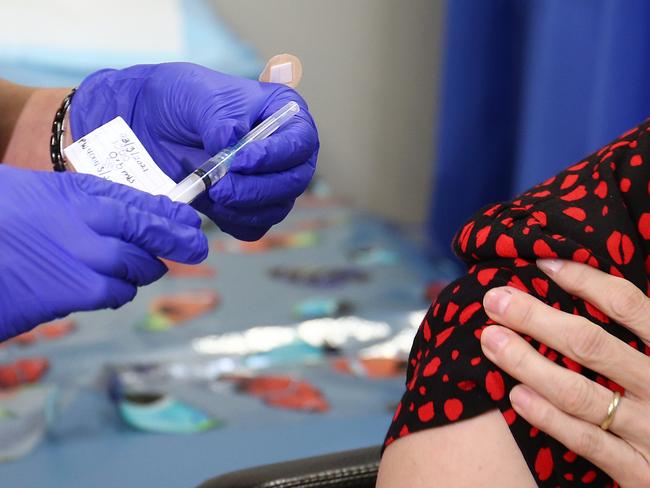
x: 529, y: 87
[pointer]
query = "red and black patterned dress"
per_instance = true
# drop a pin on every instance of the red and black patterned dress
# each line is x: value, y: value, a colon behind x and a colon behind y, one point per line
x: 597, y: 212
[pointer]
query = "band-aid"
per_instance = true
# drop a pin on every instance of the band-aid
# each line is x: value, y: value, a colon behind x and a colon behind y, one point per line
x: 283, y: 68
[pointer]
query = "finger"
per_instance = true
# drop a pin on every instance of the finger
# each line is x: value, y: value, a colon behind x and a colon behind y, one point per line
x: 277, y: 96
x: 292, y: 145
x: 252, y: 191
x: 116, y: 258
x: 244, y: 232
x: 569, y: 391
x: 152, y: 233
x: 572, y: 335
x: 220, y: 133
x: 111, y: 293
x: 87, y: 290
x: 613, y: 455
x: 128, y: 262
x: 617, y: 298
x: 245, y: 224
x: 159, y: 205
x: 264, y: 217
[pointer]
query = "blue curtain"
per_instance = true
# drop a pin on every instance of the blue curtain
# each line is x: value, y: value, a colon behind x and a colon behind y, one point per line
x: 529, y: 87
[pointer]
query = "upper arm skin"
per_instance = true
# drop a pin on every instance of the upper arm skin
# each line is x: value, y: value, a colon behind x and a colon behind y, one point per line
x: 472, y: 453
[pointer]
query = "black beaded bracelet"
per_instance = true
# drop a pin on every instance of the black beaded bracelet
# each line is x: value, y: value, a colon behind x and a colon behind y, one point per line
x: 58, y: 130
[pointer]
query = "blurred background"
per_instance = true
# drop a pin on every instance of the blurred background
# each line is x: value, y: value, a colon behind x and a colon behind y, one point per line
x: 427, y: 110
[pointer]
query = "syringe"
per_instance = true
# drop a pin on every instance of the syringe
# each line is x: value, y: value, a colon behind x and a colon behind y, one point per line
x: 218, y: 165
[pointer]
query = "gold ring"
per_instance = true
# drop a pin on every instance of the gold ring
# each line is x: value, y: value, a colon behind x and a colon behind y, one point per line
x: 611, y: 411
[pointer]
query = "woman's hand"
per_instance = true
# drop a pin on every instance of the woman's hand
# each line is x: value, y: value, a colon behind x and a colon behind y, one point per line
x: 562, y: 402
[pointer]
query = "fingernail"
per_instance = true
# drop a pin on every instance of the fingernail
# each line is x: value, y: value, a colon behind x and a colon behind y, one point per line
x: 496, y: 300
x: 520, y: 397
x: 550, y: 266
x: 493, y: 338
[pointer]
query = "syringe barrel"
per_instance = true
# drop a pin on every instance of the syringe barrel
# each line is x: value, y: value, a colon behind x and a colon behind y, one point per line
x: 218, y: 165
x: 188, y: 189
x: 202, y: 178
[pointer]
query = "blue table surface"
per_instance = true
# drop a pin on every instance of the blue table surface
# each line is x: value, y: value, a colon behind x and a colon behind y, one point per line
x: 88, y: 445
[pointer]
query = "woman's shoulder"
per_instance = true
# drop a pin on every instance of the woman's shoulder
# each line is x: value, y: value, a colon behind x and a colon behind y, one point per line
x: 597, y: 211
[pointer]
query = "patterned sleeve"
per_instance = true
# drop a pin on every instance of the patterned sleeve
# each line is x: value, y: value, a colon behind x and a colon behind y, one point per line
x: 596, y: 212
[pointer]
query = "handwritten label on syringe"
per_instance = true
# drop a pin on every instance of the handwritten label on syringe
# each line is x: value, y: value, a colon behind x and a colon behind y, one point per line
x: 113, y: 152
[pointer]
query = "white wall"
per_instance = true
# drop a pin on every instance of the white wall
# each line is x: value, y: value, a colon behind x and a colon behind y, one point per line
x: 370, y: 78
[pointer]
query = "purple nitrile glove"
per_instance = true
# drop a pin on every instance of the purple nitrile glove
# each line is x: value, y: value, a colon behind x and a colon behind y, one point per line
x: 184, y: 114
x: 71, y: 242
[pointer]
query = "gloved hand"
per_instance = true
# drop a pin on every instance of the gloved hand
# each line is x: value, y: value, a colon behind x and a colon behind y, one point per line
x: 73, y: 242
x: 184, y: 113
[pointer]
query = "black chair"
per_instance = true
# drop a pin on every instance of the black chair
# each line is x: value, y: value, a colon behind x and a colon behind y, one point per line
x: 347, y: 469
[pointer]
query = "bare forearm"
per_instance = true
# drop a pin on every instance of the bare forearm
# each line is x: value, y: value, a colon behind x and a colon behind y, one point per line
x: 13, y: 99
x: 26, y: 122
